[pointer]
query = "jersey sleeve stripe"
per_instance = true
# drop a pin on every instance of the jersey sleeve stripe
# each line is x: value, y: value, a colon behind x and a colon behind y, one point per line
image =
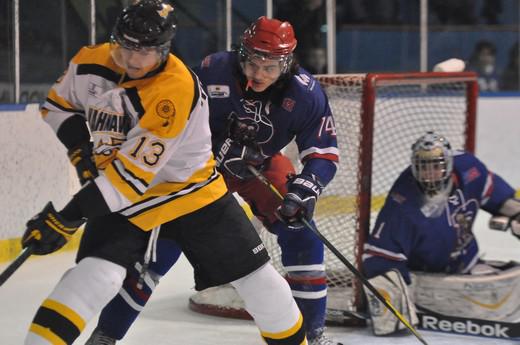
x: 134, y: 98
x: 100, y: 71
x: 331, y: 152
x: 156, y: 201
x: 125, y: 181
x: 60, y: 103
x: 371, y: 250
x: 327, y: 156
x: 488, y: 189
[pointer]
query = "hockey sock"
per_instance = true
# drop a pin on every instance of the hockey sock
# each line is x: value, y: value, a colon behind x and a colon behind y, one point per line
x: 309, y: 289
x: 79, y: 296
x: 302, y: 258
x: 268, y: 300
x: 117, y: 317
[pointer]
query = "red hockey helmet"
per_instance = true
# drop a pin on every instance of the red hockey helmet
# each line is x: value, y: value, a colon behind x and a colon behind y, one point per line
x: 269, y: 39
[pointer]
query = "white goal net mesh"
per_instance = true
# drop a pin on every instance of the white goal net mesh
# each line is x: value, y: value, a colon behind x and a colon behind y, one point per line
x: 377, y: 120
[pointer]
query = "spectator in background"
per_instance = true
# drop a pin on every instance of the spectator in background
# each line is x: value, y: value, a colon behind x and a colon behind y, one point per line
x: 483, y: 61
x: 307, y: 18
x: 490, y: 11
x: 453, y: 12
x: 510, y: 78
x: 316, y: 60
x: 372, y: 12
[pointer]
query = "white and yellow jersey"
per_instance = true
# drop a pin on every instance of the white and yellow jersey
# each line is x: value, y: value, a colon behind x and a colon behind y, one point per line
x: 152, y: 140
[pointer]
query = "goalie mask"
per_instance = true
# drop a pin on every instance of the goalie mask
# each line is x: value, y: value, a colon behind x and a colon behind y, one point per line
x: 432, y: 163
x: 142, y: 36
x: 266, y: 51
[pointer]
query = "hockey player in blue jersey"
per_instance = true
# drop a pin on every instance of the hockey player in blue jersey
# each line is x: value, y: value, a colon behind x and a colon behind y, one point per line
x: 260, y: 100
x: 426, y: 222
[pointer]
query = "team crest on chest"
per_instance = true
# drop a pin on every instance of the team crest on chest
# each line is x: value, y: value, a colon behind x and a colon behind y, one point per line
x: 255, y: 115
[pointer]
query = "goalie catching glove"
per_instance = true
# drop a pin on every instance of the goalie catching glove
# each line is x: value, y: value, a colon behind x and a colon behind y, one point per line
x: 300, y: 200
x: 233, y: 159
x: 83, y: 160
x: 48, y: 231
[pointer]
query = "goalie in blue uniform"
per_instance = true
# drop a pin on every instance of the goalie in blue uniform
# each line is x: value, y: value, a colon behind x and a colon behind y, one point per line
x: 423, y: 236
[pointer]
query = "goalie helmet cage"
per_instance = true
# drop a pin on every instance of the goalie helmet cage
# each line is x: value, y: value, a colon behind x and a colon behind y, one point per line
x: 377, y: 118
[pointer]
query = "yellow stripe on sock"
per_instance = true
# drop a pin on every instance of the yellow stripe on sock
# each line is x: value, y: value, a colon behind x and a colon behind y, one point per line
x: 287, y: 333
x: 66, y: 312
x: 46, y: 334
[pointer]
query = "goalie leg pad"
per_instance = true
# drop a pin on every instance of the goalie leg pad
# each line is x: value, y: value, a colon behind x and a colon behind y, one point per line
x: 78, y: 297
x: 393, y: 288
x: 493, y: 296
x: 268, y: 299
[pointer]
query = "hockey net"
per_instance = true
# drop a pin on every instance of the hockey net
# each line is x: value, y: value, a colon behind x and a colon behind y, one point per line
x: 377, y: 117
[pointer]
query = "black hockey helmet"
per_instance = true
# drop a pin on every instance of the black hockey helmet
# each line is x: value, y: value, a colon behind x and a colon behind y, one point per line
x: 144, y: 24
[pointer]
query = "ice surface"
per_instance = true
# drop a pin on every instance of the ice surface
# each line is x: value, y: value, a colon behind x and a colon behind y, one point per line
x: 167, y: 320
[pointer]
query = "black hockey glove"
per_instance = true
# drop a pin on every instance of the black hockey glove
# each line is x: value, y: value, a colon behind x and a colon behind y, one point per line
x: 233, y: 159
x: 300, y: 200
x: 83, y: 160
x: 48, y: 231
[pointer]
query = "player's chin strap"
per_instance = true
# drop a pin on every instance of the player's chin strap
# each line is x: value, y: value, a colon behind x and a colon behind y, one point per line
x: 344, y: 260
x: 150, y: 255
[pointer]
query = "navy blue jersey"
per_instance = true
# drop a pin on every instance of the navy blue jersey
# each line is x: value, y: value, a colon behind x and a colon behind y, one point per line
x: 410, y: 234
x: 299, y: 111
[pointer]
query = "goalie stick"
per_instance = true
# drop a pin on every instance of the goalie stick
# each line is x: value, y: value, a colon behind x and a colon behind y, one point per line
x: 344, y: 260
x: 13, y: 266
x: 432, y: 321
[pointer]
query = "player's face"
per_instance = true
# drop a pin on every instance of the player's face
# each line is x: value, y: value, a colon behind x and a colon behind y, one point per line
x: 136, y: 63
x: 261, y: 72
x: 431, y: 171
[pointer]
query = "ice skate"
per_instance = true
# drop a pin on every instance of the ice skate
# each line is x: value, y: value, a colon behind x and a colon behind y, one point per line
x: 100, y: 338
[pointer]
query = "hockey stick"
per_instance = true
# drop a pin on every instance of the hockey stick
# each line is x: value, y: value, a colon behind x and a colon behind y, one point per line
x: 344, y: 260
x: 20, y: 259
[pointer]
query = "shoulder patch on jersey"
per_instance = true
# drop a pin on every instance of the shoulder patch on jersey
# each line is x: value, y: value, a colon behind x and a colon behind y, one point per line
x: 218, y: 91
x: 165, y: 109
x: 470, y: 175
x: 288, y: 104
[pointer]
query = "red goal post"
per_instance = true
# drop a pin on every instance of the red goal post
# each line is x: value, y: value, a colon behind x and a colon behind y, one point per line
x: 378, y: 117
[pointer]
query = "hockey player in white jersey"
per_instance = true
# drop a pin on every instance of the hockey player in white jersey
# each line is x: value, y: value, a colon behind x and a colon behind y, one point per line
x: 422, y: 251
x: 154, y: 177
x: 260, y: 99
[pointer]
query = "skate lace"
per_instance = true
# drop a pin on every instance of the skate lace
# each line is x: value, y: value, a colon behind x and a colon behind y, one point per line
x: 100, y: 338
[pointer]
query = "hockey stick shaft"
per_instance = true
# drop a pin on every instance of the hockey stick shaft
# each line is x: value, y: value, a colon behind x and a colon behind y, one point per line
x: 20, y: 259
x: 344, y: 260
